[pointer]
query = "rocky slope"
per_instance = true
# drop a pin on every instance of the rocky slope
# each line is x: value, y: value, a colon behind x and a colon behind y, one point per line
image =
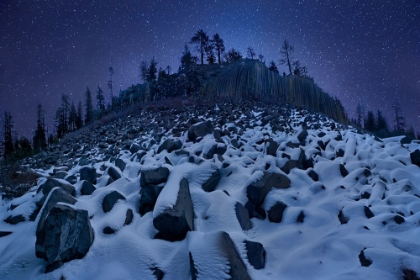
x: 235, y: 191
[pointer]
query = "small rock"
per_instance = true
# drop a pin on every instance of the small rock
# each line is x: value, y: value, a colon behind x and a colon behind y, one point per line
x: 256, y: 254
x: 275, y: 214
x: 243, y: 216
x: 129, y: 215
x: 110, y: 200
x: 87, y: 188
x: 88, y: 174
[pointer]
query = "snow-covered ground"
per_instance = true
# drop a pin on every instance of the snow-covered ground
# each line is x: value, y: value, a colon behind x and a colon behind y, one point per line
x: 359, y: 224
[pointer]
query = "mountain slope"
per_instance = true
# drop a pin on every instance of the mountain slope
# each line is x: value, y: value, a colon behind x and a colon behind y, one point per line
x: 211, y: 192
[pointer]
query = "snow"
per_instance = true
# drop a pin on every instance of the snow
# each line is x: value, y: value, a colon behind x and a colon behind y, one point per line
x: 318, y: 248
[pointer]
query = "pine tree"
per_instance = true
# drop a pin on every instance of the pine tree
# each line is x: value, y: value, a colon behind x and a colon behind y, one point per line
x: 100, y: 100
x: 250, y: 53
x: 211, y: 59
x: 65, y: 105
x: 233, y: 55
x: 59, y: 124
x: 79, y: 117
x: 88, y: 106
x: 399, y: 118
x: 110, y: 84
x: 8, y: 143
x: 152, y: 70
x: 370, y: 124
x: 360, y: 114
x: 381, y: 122
x: 201, y: 41
x: 187, y: 59
x: 40, y: 138
x: 219, y: 46
x: 72, y: 117
x: 273, y: 67
x: 286, y: 53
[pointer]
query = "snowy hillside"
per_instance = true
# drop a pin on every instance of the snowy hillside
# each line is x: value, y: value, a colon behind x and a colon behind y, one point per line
x: 218, y: 192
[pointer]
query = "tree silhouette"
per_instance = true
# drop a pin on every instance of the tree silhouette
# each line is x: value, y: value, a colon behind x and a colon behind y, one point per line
x: 250, y: 53
x: 219, y: 46
x: 110, y: 82
x: 360, y: 114
x: 72, y: 117
x: 399, y: 118
x: 273, y: 67
x: 201, y: 41
x: 79, y: 118
x: 370, y: 124
x: 88, y: 106
x: 232, y: 55
x: 286, y: 55
x: 40, y: 139
x: 187, y: 59
x: 8, y: 126
x: 100, y: 100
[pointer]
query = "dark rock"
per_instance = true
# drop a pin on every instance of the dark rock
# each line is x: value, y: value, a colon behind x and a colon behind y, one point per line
x: 237, y: 267
x: 410, y: 274
x: 301, y: 217
x: 5, y: 233
x: 210, y: 153
x: 343, y: 219
x: 88, y: 174
x: 176, y: 222
x: 313, y: 175
x: 87, y: 188
x: 368, y: 212
x: 170, y: 145
x: 83, y: 161
x: 415, y: 157
x: 48, y: 185
x: 257, y: 191
x: 199, y: 130
x: 154, y: 176
x: 275, y: 214
x: 221, y: 149
x: 256, y: 254
x: 194, y: 271
x: 272, y: 147
x: 212, y: 182
x: 113, y: 173
x: 129, y: 215
x: 343, y: 171
x: 243, y: 216
x: 134, y: 148
x: 365, y: 195
x: 339, y: 153
x: 108, y: 230
x: 363, y: 260
x: 60, y: 174
x: 110, y: 200
x: 321, y: 134
x: 158, y: 273
x: 217, y: 135
x: 398, y: 219
x: 13, y: 220
x: 407, y: 140
x: 120, y: 164
x: 148, y: 197
x: 57, y: 195
x: 65, y: 235
x: 302, y: 136
x: 72, y: 179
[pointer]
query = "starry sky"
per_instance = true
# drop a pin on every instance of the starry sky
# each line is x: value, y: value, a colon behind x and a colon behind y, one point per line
x: 359, y: 51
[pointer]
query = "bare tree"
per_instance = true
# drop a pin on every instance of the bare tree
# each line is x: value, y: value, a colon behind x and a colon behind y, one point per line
x: 250, y: 53
x: 286, y: 53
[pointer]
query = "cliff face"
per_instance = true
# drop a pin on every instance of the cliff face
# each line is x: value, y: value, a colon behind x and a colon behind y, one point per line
x: 252, y: 79
x: 242, y: 80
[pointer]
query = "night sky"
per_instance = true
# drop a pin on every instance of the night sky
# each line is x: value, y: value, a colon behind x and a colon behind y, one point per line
x: 359, y: 51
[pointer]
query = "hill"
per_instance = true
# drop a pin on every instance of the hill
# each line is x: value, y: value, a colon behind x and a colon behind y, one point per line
x: 242, y: 190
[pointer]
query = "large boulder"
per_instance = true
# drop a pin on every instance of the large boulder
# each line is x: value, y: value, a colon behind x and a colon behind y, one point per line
x: 57, y: 195
x: 113, y: 173
x: 170, y: 145
x: 110, y: 200
x: 48, y: 185
x: 154, y: 176
x: 200, y: 130
x: 256, y: 191
x: 148, y: 197
x: 120, y: 164
x: 415, y: 157
x: 174, y: 223
x: 65, y: 235
x: 88, y: 174
x: 87, y: 188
